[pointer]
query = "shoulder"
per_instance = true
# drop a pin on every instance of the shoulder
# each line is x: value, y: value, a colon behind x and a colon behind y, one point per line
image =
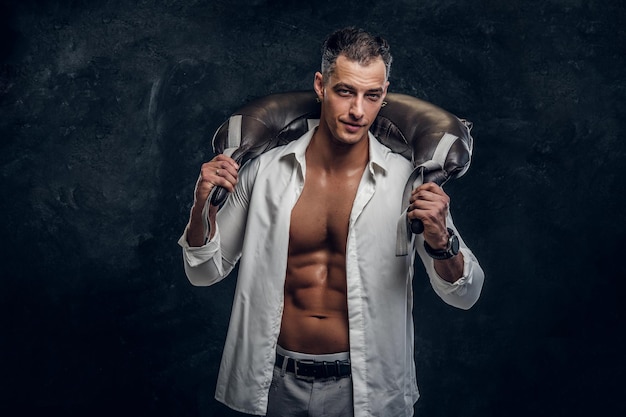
x: 271, y: 161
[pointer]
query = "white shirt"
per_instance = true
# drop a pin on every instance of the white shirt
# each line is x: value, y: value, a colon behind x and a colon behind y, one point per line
x: 253, y: 227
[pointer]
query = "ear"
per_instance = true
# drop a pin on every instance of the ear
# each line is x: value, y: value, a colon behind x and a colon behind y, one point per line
x: 318, y: 85
x: 385, y: 89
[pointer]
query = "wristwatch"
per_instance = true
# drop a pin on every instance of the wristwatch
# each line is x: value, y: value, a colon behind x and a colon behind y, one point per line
x: 451, y: 249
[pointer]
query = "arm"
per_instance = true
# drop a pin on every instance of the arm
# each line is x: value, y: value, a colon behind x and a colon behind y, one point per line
x: 208, y: 254
x: 221, y: 171
x: 458, y: 280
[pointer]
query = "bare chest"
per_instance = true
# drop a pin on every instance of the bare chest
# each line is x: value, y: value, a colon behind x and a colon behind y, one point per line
x: 321, y: 216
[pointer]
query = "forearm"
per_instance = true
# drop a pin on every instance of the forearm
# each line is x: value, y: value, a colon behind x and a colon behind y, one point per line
x: 210, y: 255
x: 457, y: 280
x: 199, y: 219
x: 221, y: 171
x: 202, y: 272
x: 464, y: 290
x: 450, y: 270
x: 205, y: 264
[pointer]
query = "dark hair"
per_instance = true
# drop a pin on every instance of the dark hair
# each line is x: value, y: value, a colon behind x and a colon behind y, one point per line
x: 356, y: 45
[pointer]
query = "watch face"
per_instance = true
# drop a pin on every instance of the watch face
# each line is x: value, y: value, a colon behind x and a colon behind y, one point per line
x: 454, y: 244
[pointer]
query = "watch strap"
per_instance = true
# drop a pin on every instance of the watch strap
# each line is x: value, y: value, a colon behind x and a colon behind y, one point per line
x: 443, y: 254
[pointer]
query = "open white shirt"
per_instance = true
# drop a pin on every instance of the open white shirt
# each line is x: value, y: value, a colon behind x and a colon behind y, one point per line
x: 253, y: 228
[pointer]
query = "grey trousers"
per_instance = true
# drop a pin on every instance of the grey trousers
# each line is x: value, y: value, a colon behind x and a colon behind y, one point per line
x: 293, y: 397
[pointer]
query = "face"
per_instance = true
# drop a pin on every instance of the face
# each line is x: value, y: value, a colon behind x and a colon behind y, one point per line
x: 351, y: 98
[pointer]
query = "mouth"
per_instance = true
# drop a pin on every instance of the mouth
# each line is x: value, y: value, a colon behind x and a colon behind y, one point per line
x: 352, y: 127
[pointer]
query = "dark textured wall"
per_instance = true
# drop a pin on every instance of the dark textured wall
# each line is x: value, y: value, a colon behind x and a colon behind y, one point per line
x: 106, y: 113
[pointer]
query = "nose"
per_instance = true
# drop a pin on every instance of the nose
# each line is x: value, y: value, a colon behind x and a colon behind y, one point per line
x: 356, y: 108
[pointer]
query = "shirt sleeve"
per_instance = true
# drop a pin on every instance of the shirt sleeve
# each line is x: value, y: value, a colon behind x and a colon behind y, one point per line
x: 465, y: 291
x: 213, y: 261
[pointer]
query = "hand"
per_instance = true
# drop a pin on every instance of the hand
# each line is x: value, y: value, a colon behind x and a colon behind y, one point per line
x: 430, y: 204
x: 221, y: 171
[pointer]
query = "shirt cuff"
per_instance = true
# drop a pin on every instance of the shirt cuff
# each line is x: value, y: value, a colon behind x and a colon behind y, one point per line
x: 196, y: 255
x: 458, y: 286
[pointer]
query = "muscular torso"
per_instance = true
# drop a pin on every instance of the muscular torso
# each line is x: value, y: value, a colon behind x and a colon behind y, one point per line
x: 315, y: 317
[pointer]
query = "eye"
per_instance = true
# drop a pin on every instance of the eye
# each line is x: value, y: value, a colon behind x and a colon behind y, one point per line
x: 374, y: 96
x: 344, y: 92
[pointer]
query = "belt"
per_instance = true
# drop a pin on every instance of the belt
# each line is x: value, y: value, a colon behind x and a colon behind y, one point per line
x: 310, y: 370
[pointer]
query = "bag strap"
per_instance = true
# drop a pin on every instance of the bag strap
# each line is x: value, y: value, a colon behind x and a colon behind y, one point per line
x: 417, y: 178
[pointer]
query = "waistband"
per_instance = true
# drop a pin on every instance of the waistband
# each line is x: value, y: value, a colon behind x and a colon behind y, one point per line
x: 328, y: 357
x: 311, y: 367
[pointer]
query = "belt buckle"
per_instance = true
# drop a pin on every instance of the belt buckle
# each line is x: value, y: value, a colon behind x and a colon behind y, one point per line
x: 296, y: 368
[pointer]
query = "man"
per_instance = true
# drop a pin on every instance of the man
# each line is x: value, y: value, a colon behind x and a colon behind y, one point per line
x: 322, y: 317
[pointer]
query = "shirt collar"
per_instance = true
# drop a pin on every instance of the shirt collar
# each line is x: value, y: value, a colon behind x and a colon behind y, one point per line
x: 377, y: 151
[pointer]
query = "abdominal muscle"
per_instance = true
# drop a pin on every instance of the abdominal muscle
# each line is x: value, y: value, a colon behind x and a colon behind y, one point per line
x: 315, y: 315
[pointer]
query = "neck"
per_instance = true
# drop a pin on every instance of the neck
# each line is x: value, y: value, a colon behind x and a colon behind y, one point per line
x: 331, y: 155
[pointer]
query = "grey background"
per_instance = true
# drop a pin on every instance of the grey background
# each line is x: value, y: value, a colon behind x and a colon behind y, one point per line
x: 106, y: 113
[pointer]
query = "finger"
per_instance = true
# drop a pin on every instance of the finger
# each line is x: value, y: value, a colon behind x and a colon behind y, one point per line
x: 425, y: 211
x: 432, y: 187
x: 432, y: 209
x: 212, y: 176
x: 425, y: 190
x: 223, y: 164
x: 434, y: 225
x: 427, y: 195
x: 227, y: 177
x: 225, y: 159
x: 431, y: 192
x: 440, y: 205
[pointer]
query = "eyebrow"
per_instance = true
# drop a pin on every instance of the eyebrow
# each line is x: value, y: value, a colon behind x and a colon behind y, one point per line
x: 350, y: 87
